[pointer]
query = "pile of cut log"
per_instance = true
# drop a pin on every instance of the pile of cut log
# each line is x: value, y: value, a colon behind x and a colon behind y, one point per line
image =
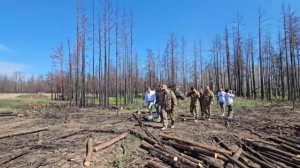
x: 284, y: 152
x: 270, y: 152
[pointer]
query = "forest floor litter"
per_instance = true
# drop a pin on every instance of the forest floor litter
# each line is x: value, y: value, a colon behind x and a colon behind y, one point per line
x: 63, y: 136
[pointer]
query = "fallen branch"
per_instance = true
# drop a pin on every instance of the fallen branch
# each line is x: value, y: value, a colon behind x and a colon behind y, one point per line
x: 149, y: 140
x: 109, y: 143
x: 67, y: 135
x: 39, y: 162
x: 219, y: 141
x: 14, y: 155
x: 154, y: 164
x: 23, y: 133
x: 235, y: 161
x: 87, y: 161
x: 192, y: 143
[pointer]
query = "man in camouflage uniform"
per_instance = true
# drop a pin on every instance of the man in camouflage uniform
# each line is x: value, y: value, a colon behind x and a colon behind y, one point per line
x: 168, y: 106
x: 208, y: 98
x: 194, y: 106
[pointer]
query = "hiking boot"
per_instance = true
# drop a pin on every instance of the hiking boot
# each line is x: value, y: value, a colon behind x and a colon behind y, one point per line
x: 163, y: 128
x: 223, y: 115
x: 172, y: 126
x: 195, y: 121
x: 158, y: 120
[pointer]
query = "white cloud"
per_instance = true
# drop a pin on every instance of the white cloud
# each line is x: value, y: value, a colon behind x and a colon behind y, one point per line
x: 7, y: 68
x: 3, y: 48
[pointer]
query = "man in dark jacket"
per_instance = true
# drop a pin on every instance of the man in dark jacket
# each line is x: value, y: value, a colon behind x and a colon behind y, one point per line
x: 158, y: 104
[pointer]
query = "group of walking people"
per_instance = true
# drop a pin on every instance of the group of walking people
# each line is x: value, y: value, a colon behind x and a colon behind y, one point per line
x: 165, y: 102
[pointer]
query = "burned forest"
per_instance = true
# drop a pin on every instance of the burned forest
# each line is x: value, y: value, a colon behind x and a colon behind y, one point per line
x: 91, y: 107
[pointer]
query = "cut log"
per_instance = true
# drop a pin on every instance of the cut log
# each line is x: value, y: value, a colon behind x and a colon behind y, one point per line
x: 14, y: 155
x: 87, y: 161
x: 237, y: 154
x: 194, y: 149
x: 234, y: 161
x: 23, y: 133
x: 167, y: 160
x: 154, y: 164
x: 149, y: 140
x: 292, y: 140
x: 150, y: 148
x: 192, y: 143
x: 290, y: 149
x: 172, y: 150
x: 282, y: 141
x: 183, y: 160
x: 258, y: 161
x: 8, y: 115
x: 285, y: 161
x: 100, y: 128
x: 276, y: 163
x: 109, y: 143
x: 219, y: 141
x: 273, y: 150
x: 39, y: 162
x: 208, y: 162
x: 256, y: 154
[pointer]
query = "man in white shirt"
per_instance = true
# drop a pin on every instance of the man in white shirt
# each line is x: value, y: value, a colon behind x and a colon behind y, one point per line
x: 229, y: 102
x: 221, y: 99
x: 150, y: 99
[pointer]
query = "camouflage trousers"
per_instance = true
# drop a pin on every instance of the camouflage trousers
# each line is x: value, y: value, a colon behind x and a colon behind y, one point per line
x: 206, y: 109
x: 194, y: 109
x: 165, y: 114
x: 230, y: 112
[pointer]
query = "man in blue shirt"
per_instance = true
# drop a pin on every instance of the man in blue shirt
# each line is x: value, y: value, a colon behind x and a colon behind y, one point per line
x: 221, y: 97
x: 150, y: 100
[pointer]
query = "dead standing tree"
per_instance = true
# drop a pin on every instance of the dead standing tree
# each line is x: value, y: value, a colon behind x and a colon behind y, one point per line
x: 83, y: 62
x: 58, y: 57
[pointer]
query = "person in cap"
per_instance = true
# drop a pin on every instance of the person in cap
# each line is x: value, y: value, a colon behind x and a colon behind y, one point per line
x: 168, y: 106
x: 208, y: 99
x: 194, y: 105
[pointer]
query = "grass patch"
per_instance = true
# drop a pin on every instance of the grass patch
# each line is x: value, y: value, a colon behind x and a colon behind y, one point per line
x: 10, y: 105
x: 120, y: 161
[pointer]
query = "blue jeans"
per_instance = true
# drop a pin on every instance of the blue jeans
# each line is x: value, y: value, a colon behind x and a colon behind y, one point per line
x: 150, y: 106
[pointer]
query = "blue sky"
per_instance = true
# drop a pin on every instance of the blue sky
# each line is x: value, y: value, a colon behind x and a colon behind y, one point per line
x: 30, y: 29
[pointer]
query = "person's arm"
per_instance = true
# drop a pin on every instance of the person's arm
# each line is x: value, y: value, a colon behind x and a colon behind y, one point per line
x: 231, y: 95
x: 189, y: 94
x: 173, y: 97
x: 154, y: 98
x: 211, y: 97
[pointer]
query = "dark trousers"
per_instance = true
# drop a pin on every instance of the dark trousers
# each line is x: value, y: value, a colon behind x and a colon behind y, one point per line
x: 230, y: 112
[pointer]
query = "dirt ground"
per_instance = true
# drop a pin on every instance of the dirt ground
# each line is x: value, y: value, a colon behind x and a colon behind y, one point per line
x: 71, y: 151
